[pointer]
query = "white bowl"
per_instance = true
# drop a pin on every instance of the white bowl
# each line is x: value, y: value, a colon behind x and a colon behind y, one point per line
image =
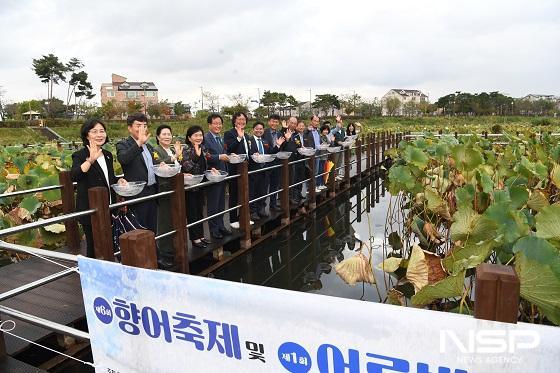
x: 192, y: 179
x: 333, y: 149
x: 346, y: 143
x: 167, y: 170
x: 129, y: 189
x: 306, y: 151
x: 263, y: 158
x: 324, y: 146
x: 283, y: 155
x: 215, y: 178
x: 237, y: 158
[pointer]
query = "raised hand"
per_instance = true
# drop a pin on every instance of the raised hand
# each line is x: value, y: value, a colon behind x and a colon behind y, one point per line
x: 288, y: 134
x: 143, y: 135
x: 178, y: 147
x: 95, y: 152
x: 240, y: 132
x: 280, y: 141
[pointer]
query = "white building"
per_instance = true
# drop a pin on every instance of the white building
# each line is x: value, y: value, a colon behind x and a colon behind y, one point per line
x: 404, y: 96
x: 534, y: 97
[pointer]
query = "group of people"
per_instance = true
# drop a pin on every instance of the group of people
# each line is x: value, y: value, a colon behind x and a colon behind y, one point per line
x: 93, y: 166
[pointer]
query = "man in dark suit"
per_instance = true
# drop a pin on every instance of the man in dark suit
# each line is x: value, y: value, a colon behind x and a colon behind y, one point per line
x: 257, y: 182
x: 271, y: 135
x: 218, y: 160
x: 313, y: 138
x: 297, y: 173
x: 136, y: 158
x: 236, y: 141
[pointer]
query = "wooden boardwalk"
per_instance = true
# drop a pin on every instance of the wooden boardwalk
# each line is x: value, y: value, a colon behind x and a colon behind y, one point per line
x: 61, y: 301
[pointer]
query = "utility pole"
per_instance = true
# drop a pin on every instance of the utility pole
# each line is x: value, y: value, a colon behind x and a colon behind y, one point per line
x: 310, y: 108
x: 201, y: 99
x: 259, y: 96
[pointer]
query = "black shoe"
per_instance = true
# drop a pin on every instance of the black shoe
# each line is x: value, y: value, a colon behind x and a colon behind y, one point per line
x: 217, y: 235
x: 165, y: 263
x: 263, y: 214
x: 255, y: 216
x: 226, y: 232
x: 206, y: 241
x: 200, y: 245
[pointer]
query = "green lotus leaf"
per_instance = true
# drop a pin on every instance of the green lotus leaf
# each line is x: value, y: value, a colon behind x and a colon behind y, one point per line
x: 465, y: 195
x: 449, y: 287
x: 27, y: 182
x: 468, y: 225
x: 537, y: 201
x: 466, y: 159
x: 401, y: 179
x: 501, y: 196
x: 540, y: 285
x: 30, y: 203
x: 519, y: 196
x: 471, y: 254
x: 548, y: 222
x: 51, y: 195
x: 540, y: 250
x: 511, y: 223
x: 416, y: 157
x: 20, y: 163
x: 485, y: 182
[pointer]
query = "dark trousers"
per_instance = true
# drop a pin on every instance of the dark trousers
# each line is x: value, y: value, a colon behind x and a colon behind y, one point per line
x: 273, y: 184
x: 216, y: 203
x: 297, y: 174
x: 164, y: 224
x: 89, y: 240
x: 257, y: 188
x: 146, y: 212
x: 195, y: 205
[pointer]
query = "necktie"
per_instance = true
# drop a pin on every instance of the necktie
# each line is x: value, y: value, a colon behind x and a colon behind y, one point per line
x: 219, y: 140
x: 148, y: 161
x: 260, y: 145
x: 274, y: 137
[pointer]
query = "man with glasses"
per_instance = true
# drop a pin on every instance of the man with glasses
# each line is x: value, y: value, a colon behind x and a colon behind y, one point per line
x: 136, y: 158
x: 218, y: 160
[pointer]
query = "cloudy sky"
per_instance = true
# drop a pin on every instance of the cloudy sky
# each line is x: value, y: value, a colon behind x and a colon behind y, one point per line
x: 236, y: 46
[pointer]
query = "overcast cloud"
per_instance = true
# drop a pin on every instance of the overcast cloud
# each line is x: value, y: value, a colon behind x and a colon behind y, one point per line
x: 235, y: 46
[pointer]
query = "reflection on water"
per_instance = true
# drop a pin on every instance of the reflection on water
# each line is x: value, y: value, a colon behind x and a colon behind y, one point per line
x: 303, y: 256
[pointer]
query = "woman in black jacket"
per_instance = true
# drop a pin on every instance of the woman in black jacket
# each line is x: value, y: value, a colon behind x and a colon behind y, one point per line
x: 92, y: 166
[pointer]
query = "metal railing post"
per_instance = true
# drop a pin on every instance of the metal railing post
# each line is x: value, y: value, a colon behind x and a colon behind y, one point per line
x: 68, y: 206
x: 101, y: 224
x: 285, y: 193
x: 311, y: 200
x: 368, y: 154
x: 138, y: 249
x: 243, y: 200
x: 496, y: 293
x: 179, y: 222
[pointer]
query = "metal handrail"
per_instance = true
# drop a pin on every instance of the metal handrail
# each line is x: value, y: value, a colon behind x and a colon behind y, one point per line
x: 29, y: 191
x: 35, y: 284
x: 43, y: 223
x: 264, y: 169
x: 212, y: 216
x: 140, y: 199
x: 265, y: 196
x: 38, y: 252
x: 47, y: 324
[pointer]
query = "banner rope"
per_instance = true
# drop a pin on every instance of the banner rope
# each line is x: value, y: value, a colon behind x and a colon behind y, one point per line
x: 5, y: 329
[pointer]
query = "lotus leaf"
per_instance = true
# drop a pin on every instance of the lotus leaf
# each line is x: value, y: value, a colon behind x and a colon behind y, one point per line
x: 449, y: 287
x: 548, y: 222
x: 390, y: 264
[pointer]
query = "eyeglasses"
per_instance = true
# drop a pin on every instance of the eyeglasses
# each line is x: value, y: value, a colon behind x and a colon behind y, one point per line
x: 95, y: 132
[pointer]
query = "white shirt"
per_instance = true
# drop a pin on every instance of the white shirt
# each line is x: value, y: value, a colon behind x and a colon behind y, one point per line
x: 103, y: 164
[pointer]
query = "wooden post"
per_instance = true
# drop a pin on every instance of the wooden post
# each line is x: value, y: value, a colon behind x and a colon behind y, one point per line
x: 456, y: 135
x: 312, y: 198
x: 243, y: 200
x: 347, y: 167
x: 376, y: 152
x: 496, y: 293
x: 101, y: 224
x: 179, y: 222
x: 68, y: 206
x: 138, y: 249
x: 332, y: 175
x: 285, y: 194
x: 359, y: 158
x: 368, y: 154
